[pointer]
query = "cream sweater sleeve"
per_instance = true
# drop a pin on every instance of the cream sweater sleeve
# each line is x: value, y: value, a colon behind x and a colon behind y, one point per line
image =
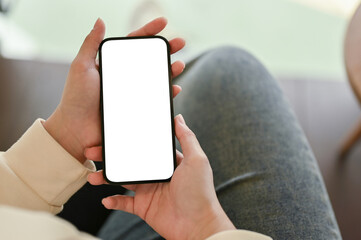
x: 37, y: 176
x: 36, y: 173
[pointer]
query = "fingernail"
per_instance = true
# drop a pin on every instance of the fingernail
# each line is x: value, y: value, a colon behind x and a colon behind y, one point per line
x: 181, y: 119
x: 96, y: 24
x: 166, y: 20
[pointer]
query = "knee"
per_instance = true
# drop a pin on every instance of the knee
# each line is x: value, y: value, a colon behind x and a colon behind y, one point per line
x: 231, y: 57
x: 229, y: 53
x: 233, y: 64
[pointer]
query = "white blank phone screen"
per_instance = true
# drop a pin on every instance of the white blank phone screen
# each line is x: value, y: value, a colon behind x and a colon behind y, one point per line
x: 136, y: 110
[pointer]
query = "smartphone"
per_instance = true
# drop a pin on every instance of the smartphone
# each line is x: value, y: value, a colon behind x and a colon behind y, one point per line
x: 137, y: 110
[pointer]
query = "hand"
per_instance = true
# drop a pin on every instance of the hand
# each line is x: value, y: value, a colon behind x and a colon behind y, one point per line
x: 184, y: 208
x: 75, y: 123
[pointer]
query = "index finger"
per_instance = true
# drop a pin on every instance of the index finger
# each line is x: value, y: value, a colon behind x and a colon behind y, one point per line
x: 151, y: 28
x: 187, y: 139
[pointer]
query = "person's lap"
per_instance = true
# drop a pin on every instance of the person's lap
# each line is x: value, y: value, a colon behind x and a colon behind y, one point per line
x: 265, y: 174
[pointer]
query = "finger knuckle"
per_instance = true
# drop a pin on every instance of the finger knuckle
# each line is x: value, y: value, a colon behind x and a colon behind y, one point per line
x: 78, y: 65
x: 189, y: 134
x: 88, y: 37
x: 203, y: 159
x: 199, y: 157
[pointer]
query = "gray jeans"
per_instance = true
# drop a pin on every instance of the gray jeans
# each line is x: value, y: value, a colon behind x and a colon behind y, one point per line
x: 265, y: 174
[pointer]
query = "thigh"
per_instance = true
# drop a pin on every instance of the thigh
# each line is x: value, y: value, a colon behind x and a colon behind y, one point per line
x: 265, y: 173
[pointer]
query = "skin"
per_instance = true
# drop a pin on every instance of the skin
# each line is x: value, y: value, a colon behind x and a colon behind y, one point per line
x: 184, y: 208
x: 78, y: 111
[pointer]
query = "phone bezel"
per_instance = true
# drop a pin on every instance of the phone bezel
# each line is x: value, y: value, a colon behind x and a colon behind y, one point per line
x: 171, y: 109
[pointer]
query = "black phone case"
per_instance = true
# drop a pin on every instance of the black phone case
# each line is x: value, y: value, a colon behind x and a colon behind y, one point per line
x: 102, y: 113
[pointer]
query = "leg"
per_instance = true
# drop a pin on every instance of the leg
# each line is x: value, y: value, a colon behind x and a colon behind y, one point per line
x: 126, y: 226
x: 266, y: 176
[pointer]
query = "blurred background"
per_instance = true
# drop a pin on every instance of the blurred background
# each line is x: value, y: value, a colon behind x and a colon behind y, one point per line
x: 301, y: 42
x: 291, y: 37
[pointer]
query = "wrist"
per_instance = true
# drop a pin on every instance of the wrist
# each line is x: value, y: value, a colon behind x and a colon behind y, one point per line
x: 58, y: 129
x: 214, y: 222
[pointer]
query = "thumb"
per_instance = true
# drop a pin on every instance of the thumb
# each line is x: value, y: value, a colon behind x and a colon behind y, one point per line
x: 89, y: 49
x: 187, y: 139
